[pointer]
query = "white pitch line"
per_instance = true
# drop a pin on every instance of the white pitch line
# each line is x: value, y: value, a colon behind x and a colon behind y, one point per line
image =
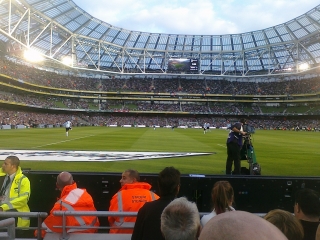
x: 62, y: 141
x: 221, y: 145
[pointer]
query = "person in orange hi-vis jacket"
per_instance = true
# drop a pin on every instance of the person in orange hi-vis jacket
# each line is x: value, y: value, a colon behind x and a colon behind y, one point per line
x: 130, y: 198
x: 72, y: 199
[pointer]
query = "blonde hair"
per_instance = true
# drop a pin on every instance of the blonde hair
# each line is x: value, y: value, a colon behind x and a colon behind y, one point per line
x: 287, y: 223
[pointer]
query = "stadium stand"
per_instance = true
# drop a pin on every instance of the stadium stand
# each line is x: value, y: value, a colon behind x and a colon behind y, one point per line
x: 135, y: 88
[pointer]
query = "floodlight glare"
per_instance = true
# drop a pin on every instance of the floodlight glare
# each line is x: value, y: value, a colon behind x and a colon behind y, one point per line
x: 33, y: 56
x: 67, y: 61
x: 303, y: 66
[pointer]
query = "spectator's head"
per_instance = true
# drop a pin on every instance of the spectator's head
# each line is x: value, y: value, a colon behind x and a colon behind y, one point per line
x: 286, y: 222
x: 180, y: 220
x: 222, y: 196
x: 10, y: 165
x: 169, y: 181
x: 241, y: 226
x: 64, y: 179
x: 318, y: 234
x: 129, y: 176
x: 307, y: 205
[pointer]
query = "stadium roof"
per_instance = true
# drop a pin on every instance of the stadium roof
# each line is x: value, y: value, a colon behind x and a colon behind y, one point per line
x: 59, y: 28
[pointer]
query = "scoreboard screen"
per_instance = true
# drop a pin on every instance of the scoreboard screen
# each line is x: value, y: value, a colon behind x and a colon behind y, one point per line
x: 183, y: 65
x: 194, y: 65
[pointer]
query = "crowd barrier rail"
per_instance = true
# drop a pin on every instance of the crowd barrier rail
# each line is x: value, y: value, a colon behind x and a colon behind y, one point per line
x: 39, y: 215
x: 9, y: 224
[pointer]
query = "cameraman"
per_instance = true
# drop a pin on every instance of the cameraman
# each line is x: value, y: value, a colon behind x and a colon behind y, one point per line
x: 234, y: 144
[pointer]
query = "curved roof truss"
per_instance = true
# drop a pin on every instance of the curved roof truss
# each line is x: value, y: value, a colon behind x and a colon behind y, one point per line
x: 59, y: 28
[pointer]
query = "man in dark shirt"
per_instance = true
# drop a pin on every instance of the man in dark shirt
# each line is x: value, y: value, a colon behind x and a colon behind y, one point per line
x: 148, y: 222
x: 234, y: 144
x: 307, y: 210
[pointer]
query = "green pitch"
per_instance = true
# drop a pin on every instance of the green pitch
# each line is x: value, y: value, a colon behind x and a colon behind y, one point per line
x: 280, y: 153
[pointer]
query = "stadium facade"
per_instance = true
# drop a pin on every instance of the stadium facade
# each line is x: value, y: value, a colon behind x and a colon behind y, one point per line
x: 60, y: 28
x: 154, y: 74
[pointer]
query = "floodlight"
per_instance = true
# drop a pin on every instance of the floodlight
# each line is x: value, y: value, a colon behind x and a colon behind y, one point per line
x: 33, y: 56
x: 67, y: 61
x: 303, y: 66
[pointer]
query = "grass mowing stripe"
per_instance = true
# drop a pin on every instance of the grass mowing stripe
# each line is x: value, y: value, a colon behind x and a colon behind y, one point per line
x: 170, y: 141
x: 280, y: 153
x: 222, y: 145
x: 61, y: 142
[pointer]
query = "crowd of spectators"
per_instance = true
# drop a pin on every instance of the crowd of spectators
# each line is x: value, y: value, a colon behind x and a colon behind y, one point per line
x: 172, y: 86
x: 199, y: 111
x: 145, y: 106
x: 165, y: 216
x: 33, y: 119
x: 175, y: 85
x: 27, y: 99
x: 148, y: 106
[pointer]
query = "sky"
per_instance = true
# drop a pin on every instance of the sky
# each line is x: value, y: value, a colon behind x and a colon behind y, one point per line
x: 205, y: 17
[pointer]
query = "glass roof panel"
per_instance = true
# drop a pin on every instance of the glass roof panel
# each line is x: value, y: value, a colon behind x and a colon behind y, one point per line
x: 179, y: 43
x: 315, y: 15
x: 141, y: 42
x: 294, y: 25
x: 285, y: 36
x: 226, y: 42
x: 206, y: 41
x: 111, y: 34
x: 300, y: 33
x: 171, y: 42
x: 72, y: 25
x: 277, y: 43
x: 248, y: 41
x: 3, y: 11
x: 99, y: 28
x: 311, y: 28
x: 237, y: 42
x: 259, y: 38
x: 52, y: 13
x: 304, y: 21
x: 64, y: 7
x: 272, y: 36
x: 95, y: 34
x: 121, y: 38
x: 162, y: 42
x: 76, y: 16
x: 216, y: 43
x: 132, y: 39
x: 62, y: 19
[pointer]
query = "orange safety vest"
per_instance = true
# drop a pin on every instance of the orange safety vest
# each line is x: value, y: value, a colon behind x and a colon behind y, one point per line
x: 72, y: 199
x: 130, y: 198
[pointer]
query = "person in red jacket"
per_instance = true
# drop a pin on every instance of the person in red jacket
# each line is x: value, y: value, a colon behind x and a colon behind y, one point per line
x: 130, y: 198
x: 72, y: 199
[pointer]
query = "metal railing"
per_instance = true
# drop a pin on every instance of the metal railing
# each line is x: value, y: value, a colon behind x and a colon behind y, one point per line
x: 39, y: 215
x: 9, y: 224
x: 64, y: 214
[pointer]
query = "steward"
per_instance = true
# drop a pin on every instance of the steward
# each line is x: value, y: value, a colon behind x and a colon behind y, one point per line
x: 15, y: 190
x: 130, y: 198
x: 72, y: 199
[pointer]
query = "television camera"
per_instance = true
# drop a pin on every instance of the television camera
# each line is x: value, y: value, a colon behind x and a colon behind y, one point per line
x: 248, y: 129
x: 248, y: 153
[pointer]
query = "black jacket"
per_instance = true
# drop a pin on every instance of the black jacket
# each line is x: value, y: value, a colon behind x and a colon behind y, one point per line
x: 148, y: 221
